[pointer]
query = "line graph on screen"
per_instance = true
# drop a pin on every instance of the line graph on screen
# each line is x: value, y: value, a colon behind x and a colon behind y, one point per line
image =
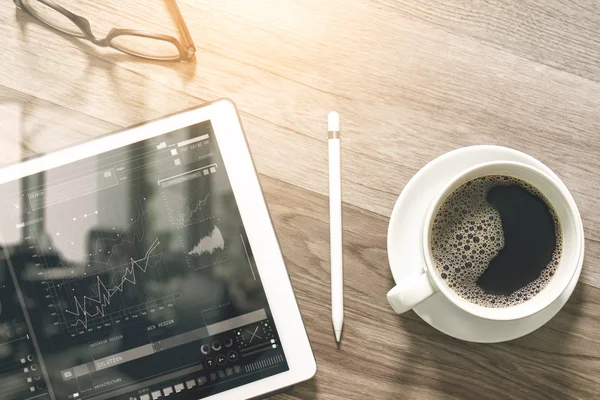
x: 119, y: 278
x: 90, y: 307
x: 189, y: 205
x: 189, y: 216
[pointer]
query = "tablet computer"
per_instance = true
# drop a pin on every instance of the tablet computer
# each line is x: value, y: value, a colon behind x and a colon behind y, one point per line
x: 144, y: 265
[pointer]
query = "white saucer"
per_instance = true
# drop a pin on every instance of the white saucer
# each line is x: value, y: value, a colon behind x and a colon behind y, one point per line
x: 407, y: 259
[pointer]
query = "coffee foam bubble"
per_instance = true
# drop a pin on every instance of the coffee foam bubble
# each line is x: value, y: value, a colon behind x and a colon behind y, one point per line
x: 466, y: 236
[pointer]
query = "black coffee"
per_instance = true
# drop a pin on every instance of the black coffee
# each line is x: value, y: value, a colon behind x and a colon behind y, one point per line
x: 496, y: 241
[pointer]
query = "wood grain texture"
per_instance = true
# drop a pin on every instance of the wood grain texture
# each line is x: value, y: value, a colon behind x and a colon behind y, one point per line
x: 411, y: 80
x: 385, y: 356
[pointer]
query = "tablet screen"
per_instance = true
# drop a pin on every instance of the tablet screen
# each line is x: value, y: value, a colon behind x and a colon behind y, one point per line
x: 129, y: 275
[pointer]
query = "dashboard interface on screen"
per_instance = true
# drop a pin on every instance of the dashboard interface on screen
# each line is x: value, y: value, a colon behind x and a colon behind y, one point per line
x: 129, y: 275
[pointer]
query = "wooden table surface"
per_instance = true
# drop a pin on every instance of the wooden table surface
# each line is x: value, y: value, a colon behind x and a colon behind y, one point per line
x: 411, y: 80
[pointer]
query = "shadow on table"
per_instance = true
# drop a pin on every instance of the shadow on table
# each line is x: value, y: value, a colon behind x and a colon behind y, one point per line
x: 552, y: 361
x: 305, y: 390
x: 108, y: 57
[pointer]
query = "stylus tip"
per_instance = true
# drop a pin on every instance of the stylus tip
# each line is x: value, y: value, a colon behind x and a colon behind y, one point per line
x: 338, y: 336
x: 333, y: 122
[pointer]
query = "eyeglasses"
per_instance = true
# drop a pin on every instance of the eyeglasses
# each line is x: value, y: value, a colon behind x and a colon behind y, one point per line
x: 153, y: 46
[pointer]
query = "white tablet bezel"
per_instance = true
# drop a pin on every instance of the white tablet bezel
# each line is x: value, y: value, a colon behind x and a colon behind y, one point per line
x: 255, y: 216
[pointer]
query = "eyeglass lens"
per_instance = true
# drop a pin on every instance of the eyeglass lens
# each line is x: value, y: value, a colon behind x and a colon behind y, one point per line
x: 133, y: 44
x: 52, y: 17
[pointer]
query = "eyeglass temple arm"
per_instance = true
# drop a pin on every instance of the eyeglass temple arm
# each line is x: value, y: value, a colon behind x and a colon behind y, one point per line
x: 176, y: 12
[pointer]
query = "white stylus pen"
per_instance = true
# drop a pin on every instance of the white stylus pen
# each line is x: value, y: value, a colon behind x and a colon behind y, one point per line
x: 335, y: 225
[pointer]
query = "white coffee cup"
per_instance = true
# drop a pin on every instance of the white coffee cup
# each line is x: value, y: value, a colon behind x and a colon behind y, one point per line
x: 412, y: 291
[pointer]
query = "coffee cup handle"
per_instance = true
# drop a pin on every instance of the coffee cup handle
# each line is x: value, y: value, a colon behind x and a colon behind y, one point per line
x: 410, y: 292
